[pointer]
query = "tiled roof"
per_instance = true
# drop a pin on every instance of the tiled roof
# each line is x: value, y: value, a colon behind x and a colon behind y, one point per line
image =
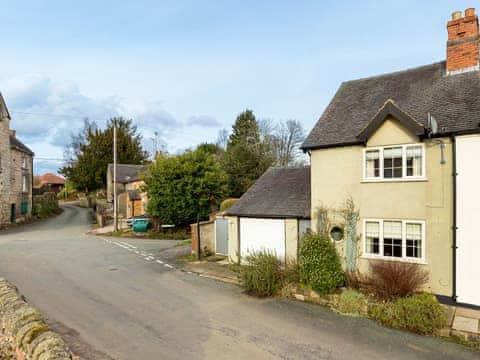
x: 281, y: 192
x: 128, y: 173
x: 18, y: 145
x: 49, y: 178
x: 452, y: 100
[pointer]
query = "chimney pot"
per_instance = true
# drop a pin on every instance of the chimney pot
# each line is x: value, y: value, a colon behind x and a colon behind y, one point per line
x: 470, y: 12
x: 12, y: 132
x: 456, y: 15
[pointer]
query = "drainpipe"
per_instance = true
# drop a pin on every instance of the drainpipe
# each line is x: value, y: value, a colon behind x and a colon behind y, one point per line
x: 454, y: 226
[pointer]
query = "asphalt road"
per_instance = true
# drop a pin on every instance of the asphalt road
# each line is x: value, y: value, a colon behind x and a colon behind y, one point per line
x: 120, y: 299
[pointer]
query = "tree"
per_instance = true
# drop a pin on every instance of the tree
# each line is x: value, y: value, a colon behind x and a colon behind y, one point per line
x: 183, y: 186
x: 222, y: 139
x: 247, y: 157
x: 287, y: 139
x: 91, y: 151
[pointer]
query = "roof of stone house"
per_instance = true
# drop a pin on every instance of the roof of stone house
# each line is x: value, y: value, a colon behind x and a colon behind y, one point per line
x: 3, y: 108
x: 453, y: 100
x: 282, y: 192
x: 18, y: 145
x: 48, y: 178
x: 128, y: 173
x: 134, y: 195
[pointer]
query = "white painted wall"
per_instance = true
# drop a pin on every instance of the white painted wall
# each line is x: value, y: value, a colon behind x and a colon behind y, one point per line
x: 468, y: 219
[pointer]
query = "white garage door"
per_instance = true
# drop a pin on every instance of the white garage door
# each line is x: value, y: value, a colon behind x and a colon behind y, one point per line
x: 468, y: 219
x: 262, y: 234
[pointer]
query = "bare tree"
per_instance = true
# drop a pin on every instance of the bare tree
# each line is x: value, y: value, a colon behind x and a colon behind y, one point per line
x: 288, y: 137
x: 222, y: 139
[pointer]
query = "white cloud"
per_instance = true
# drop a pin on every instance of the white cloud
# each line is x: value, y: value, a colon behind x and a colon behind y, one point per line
x: 45, y: 113
x: 203, y: 121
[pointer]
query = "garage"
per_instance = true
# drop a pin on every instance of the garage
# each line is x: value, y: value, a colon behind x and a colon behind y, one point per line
x: 272, y: 215
x: 262, y: 235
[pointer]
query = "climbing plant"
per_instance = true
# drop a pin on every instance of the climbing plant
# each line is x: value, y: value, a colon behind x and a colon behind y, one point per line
x: 350, y: 216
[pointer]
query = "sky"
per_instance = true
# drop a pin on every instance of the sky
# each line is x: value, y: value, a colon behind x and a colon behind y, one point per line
x: 186, y: 69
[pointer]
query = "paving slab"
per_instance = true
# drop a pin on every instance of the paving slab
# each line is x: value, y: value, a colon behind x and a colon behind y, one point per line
x: 470, y: 313
x: 466, y: 324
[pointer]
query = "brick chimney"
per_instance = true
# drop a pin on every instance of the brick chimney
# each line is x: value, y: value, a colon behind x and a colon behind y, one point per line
x: 463, y: 50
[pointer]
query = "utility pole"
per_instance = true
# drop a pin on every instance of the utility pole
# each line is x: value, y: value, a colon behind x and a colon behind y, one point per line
x: 115, y: 205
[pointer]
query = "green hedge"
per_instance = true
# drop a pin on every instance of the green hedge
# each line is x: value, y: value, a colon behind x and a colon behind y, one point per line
x: 419, y: 313
x: 319, y: 264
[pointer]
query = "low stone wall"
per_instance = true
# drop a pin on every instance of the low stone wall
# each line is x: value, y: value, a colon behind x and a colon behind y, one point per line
x: 45, y: 205
x: 24, y: 334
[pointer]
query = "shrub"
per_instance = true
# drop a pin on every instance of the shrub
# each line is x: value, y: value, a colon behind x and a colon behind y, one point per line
x: 319, y: 263
x: 228, y: 203
x: 420, y: 313
x: 261, y: 277
x: 389, y: 280
x: 351, y: 302
x: 290, y: 274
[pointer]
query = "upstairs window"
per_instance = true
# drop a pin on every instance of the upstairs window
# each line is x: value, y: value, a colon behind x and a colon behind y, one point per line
x: 24, y: 184
x: 390, y: 163
x: 24, y: 163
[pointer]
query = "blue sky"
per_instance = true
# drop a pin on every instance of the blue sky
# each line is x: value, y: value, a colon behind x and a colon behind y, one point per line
x: 187, y: 68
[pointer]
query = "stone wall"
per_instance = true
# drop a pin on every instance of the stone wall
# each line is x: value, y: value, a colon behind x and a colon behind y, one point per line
x: 45, y: 205
x: 4, y: 171
x: 24, y: 334
x: 21, y: 166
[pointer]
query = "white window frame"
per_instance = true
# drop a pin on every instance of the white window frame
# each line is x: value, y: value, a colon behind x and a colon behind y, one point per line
x: 24, y: 184
x: 366, y: 255
x: 404, y: 177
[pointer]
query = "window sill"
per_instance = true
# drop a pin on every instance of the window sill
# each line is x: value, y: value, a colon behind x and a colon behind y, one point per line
x: 388, y: 258
x: 394, y: 180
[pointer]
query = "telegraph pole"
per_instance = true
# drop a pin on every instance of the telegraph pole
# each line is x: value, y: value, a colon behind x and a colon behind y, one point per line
x: 115, y: 205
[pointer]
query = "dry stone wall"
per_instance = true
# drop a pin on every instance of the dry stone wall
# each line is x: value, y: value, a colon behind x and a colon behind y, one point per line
x: 24, y: 334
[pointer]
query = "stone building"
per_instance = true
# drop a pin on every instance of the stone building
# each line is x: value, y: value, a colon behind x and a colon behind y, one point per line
x: 16, y: 173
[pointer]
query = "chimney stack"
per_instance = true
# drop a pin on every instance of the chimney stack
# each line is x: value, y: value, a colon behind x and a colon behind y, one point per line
x: 463, y: 45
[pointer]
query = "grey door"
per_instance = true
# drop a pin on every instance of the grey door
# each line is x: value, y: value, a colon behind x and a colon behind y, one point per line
x: 221, y: 236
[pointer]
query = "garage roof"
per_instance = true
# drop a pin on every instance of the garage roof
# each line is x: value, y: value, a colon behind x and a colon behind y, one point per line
x: 282, y: 192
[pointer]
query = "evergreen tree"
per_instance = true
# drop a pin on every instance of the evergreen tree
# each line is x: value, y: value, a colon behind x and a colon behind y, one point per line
x: 247, y: 156
x: 92, y: 150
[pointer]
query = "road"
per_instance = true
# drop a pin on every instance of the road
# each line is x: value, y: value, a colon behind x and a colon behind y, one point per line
x: 117, y: 299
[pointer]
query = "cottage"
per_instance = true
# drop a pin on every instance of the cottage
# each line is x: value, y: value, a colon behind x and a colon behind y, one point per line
x: 16, y: 165
x: 48, y: 183
x: 403, y: 148
x: 132, y: 201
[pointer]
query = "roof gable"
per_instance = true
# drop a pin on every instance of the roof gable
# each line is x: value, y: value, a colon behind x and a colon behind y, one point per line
x: 452, y: 100
x: 390, y: 109
x: 3, y: 108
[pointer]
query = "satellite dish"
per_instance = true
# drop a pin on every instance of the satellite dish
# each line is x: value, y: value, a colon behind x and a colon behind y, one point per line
x: 432, y: 125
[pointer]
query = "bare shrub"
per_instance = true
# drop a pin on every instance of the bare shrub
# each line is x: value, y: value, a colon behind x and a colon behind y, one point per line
x: 389, y: 280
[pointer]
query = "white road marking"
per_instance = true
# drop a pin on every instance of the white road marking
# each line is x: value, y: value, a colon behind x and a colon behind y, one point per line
x: 143, y: 254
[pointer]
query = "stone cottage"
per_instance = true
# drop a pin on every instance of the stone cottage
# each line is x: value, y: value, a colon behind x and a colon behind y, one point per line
x: 16, y: 173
